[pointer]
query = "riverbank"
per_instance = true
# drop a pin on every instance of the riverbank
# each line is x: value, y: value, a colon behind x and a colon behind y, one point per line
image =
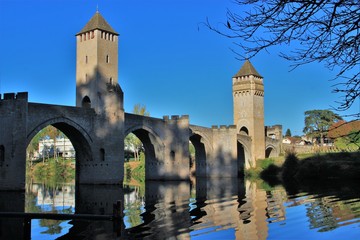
x: 342, y: 165
x: 55, y: 170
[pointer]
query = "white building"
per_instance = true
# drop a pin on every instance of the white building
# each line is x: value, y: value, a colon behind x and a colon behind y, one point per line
x: 64, y: 148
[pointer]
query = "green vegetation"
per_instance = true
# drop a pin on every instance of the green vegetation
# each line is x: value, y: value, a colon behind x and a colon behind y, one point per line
x: 318, y: 122
x: 288, y: 133
x: 135, y: 170
x: 342, y: 165
x: 52, y: 171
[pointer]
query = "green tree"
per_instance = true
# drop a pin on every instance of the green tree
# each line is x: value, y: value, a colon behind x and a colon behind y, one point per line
x: 133, y: 144
x: 317, y: 31
x: 140, y: 110
x: 318, y: 122
x: 288, y: 133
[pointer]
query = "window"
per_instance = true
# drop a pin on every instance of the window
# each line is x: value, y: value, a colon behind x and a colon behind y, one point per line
x: 2, y: 154
x: 86, y: 59
x: 86, y: 103
x: 172, y: 155
x: 244, y: 131
x: 107, y: 59
x: 111, y: 81
x: 102, y: 154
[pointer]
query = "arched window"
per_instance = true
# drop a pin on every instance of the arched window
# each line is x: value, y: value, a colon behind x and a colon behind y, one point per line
x: 244, y: 131
x: 86, y: 103
x: 2, y: 154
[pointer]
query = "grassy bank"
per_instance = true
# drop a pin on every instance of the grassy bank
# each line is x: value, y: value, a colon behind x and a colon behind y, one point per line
x: 52, y: 170
x: 135, y: 170
x: 344, y: 165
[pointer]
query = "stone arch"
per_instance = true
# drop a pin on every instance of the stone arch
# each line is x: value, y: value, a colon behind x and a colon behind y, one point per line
x: 202, y: 152
x: 244, y: 130
x: 243, y: 155
x: 80, y: 139
x: 154, y: 149
x: 270, y: 151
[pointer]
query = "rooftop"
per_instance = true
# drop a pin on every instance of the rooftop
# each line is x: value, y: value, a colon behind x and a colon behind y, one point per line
x: 97, y: 22
x: 246, y: 70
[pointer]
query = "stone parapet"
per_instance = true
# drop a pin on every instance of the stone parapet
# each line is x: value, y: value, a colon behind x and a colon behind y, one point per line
x: 166, y: 118
x: 14, y: 96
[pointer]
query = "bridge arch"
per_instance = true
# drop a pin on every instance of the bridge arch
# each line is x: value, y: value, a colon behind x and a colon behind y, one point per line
x: 203, y: 150
x: 154, y: 149
x: 271, y: 151
x: 79, y: 138
x: 243, y: 153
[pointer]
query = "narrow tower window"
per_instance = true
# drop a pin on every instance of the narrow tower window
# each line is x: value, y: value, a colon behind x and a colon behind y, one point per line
x: 172, y: 155
x: 107, y: 59
x: 102, y: 154
x: 2, y: 154
x: 86, y: 59
x: 111, y: 81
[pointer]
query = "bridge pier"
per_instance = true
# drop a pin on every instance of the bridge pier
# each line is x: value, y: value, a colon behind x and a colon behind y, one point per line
x: 13, y: 117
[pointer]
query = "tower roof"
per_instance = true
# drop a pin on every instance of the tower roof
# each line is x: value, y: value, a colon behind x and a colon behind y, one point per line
x: 246, y: 70
x: 97, y: 22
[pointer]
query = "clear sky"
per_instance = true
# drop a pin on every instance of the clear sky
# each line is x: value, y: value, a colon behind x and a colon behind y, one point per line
x: 168, y: 60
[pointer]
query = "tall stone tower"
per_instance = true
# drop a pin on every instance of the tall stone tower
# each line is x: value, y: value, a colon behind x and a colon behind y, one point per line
x: 97, y: 67
x: 248, y: 100
x: 97, y: 88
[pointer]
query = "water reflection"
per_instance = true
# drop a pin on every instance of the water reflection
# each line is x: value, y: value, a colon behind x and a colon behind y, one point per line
x: 208, y: 208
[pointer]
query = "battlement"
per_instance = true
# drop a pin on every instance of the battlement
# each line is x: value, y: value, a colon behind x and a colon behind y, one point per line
x: 14, y: 96
x: 274, y: 132
x: 223, y: 127
x: 175, y: 117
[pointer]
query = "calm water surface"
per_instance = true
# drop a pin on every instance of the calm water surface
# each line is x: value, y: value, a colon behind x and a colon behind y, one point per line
x: 207, y: 209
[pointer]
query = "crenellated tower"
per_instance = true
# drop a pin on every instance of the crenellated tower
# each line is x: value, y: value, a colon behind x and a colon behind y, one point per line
x: 248, y: 103
x: 97, y: 67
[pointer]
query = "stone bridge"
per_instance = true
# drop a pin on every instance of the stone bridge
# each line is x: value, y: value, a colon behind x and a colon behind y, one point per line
x: 99, y: 143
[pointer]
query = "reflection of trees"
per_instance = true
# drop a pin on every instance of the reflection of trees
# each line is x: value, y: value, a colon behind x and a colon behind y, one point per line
x: 133, y: 211
x: 134, y: 202
x: 321, y: 215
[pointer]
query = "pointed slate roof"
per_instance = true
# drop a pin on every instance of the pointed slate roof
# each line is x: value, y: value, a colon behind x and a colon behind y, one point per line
x: 246, y: 70
x: 97, y: 22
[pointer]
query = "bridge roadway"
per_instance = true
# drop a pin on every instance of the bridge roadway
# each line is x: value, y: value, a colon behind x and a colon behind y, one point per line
x: 99, y: 143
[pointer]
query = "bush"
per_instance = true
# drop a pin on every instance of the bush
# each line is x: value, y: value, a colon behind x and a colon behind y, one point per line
x: 290, y: 166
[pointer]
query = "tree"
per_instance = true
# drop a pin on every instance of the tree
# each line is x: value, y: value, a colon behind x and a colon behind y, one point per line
x: 53, y: 133
x: 133, y: 144
x: 288, y: 133
x: 140, y: 110
x: 318, y: 31
x: 318, y: 122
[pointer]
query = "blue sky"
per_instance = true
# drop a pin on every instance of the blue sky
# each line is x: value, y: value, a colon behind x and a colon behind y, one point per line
x: 168, y: 60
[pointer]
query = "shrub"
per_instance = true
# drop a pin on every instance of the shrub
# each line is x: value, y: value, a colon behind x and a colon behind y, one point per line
x: 290, y: 166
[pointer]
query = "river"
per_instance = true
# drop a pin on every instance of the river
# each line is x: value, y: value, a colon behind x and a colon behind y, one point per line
x: 206, y: 209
